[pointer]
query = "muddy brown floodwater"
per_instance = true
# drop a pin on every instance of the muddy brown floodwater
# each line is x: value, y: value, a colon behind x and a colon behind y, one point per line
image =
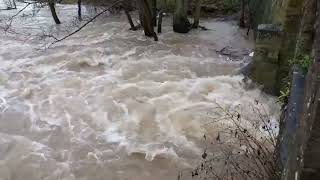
x: 109, y: 103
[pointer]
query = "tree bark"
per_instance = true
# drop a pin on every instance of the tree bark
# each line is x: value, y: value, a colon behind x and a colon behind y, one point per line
x: 160, y: 21
x: 79, y: 11
x: 53, y: 12
x: 126, y: 6
x: 154, y: 12
x: 146, y: 18
x: 14, y: 4
x: 317, y: 36
x: 243, y: 6
x: 181, y: 23
x: 163, y: 5
x: 306, y: 34
x: 197, y: 14
x: 133, y: 27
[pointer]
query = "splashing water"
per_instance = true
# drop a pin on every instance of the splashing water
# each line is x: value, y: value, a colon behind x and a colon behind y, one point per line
x: 109, y: 103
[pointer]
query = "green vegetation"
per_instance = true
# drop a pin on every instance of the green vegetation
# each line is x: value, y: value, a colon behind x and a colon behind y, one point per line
x: 303, y: 61
x: 283, y: 98
x: 231, y: 5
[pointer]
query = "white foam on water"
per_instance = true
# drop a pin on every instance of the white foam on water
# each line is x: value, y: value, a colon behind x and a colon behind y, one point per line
x: 109, y: 102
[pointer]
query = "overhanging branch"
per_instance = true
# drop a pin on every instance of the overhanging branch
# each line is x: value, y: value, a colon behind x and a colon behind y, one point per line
x: 88, y: 22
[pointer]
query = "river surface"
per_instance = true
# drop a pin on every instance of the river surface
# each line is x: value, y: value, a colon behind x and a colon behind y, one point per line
x: 109, y: 103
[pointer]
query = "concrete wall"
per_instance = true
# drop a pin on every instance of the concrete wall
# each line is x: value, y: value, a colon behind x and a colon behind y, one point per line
x: 300, y: 137
x: 287, y: 15
x: 302, y: 159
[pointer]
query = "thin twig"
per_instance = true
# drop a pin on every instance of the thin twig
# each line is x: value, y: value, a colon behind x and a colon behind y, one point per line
x: 12, y: 17
x: 85, y: 24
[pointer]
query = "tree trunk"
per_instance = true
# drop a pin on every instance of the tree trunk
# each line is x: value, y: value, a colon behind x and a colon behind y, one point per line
x: 181, y: 23
x: 154, y: 12
x: 146, y: 18
x: 306, y: 34
x: 317, y: 35
x: 79, y: 10
x: 126, y: 7
x: 242, y: 15
x: 130, y: 20
x: 197, y: 14
x: 141, y: 17
x: 160, y: 21
x: 162, y: 5
x: 14, y: 4
x: 53, y: 12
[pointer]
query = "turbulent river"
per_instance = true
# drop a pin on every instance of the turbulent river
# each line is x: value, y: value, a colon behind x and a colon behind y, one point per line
x: 109, y: 103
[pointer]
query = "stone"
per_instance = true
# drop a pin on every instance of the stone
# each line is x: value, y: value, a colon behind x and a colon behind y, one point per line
x: 269, y: 34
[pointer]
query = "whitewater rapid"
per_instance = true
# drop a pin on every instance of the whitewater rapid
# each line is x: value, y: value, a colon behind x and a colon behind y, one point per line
x: 109, y: 103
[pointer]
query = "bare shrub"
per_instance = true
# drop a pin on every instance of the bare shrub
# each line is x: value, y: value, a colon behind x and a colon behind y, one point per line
x: 242, y: 148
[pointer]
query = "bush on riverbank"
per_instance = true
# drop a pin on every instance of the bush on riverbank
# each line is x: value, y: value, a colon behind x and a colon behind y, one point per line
x: 241, y: 149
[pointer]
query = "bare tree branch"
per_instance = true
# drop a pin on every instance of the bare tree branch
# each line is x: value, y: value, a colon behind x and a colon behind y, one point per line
x: 85, y: 24
x: 8, y: 25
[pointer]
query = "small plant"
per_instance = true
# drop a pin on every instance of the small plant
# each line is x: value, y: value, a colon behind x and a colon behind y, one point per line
x: 284, y: 94
x: 304, y: 61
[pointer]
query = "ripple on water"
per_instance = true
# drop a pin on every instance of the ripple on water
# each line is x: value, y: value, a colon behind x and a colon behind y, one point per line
x: 109, y: 102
